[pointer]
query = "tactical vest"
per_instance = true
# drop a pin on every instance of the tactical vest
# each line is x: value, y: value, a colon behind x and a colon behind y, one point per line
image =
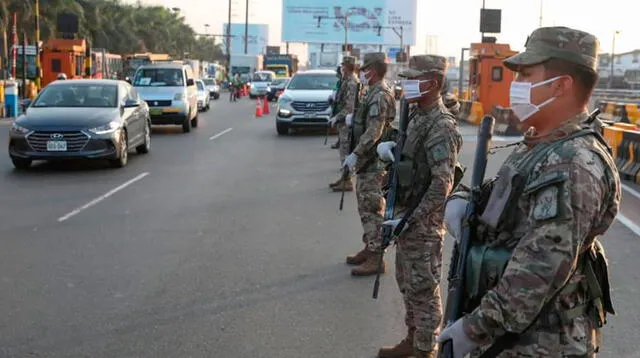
x: 360, y: 120
x: 486, y: 262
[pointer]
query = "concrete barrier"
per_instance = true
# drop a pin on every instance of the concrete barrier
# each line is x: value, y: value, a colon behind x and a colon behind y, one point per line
x: 624, y: 140
x: 620, y: 112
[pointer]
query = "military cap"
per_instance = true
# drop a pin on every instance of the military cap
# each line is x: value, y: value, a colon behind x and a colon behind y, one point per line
x: 349, y: 60
x: 373, y: 57
x: 545, y: 43
x: 423, y: 64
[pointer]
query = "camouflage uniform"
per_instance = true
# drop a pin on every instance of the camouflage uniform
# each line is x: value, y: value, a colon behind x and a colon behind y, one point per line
x: 425, y: 175
x: 371, y: 123
x: 569, y: 192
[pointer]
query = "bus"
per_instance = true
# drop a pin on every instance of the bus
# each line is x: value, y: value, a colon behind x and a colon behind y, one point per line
x: 105, y: 65
x: 133, y: 61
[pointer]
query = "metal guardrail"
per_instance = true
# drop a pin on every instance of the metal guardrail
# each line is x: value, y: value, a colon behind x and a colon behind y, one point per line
x: 616, y: 93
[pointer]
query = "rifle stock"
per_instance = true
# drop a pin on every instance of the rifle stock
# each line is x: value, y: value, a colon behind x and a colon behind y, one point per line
x: 386, y: 232
x: 455, y: 297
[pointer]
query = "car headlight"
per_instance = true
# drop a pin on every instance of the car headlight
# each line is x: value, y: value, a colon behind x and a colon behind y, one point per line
x: 268, y: 89
x: 107, y: 128
x: 16, y: 129
x: 179, y: 97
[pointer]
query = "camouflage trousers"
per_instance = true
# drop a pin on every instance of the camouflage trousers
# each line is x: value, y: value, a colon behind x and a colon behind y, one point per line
x: 418, y: 273
x: 343, y: 136
x: 370, y: 206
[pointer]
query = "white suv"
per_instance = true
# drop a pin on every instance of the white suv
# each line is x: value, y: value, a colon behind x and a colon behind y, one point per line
x: 305, y: 101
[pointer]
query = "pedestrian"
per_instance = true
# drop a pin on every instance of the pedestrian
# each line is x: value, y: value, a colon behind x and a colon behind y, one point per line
x: 555, y: 194
x: 370, y: 125
x: 344, y: 104
x: 426, y: 176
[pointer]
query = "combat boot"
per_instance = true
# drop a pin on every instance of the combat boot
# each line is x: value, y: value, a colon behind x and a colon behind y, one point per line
x: 335, y: 183
x: 359, y: 258
x: 404, y: 349
x: 346, y: 185
x: 369, y: 266
x: 335, y: 145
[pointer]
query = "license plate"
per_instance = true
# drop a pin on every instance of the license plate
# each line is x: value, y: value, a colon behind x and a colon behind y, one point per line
x: 309, y: 115
x: 155, y: 111
x: 56, y: 146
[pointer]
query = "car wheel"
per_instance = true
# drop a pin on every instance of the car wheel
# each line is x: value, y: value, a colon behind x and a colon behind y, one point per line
x: 186, y: 125
x: 282, y: 129
x: 146, y: 146
x: 123, y: 155
x: 21, y: 163
x: 194, y: 121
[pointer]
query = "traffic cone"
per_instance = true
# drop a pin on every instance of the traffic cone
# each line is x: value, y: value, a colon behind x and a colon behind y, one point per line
x: 258, y: 108
x: 265, y: 109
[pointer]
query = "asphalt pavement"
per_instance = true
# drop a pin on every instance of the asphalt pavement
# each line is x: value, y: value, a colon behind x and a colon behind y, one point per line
x: 223, y: 242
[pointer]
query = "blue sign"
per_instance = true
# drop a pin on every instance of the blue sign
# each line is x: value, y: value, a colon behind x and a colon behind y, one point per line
x: 258, y: 38
x: 367, y: 21
x: 392, y: 52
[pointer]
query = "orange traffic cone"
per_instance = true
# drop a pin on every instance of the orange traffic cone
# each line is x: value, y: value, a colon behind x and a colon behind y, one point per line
x: 265, y: 109
x: 258, y: 108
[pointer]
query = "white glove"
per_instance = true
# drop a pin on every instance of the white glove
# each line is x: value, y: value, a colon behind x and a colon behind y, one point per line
x: 332, y: 121
x: 385, y: 151
x: 350, y: 162
x: 453, y: 214
x: 349, y: 119
x: 394, y: 223
x: 461, y: 343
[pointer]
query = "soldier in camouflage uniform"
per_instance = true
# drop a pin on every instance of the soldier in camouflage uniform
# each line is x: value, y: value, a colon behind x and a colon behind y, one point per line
x: 539, y: 224
x: 372, y: 122
x: 425, y: 177
x: 345, y: 102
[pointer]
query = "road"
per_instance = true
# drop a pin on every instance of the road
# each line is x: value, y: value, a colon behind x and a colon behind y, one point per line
x: 223, y: 242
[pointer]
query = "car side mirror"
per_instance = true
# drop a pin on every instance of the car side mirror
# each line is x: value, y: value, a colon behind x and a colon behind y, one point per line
x: 26, y: 102
x: 190, y: 82
x: 330, y: 100
x: 128, y: 80
x: 131, y: 103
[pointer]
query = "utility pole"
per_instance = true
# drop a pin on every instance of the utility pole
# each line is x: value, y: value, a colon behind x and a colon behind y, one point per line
x: 229, y: 40
x: 38, y: 79
x: 246, y: 27
x: 540, y: 22
x: 399, y: 31
x: 613, y: 51
x: 346, y: 26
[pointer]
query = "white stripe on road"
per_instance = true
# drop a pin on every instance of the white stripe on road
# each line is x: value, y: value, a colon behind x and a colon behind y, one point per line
x: 102, y: 197
x: 630, y: 190
x: 221, y: 133
x: 628, y: 223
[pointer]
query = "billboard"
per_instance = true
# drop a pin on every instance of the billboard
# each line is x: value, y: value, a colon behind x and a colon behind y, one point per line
x: 300, y: 21
x: 258, y: 38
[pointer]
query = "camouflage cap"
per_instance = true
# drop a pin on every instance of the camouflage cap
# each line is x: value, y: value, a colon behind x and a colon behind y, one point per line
x: 423, y: 64
x: 374, y: 57
x: 349, y: 60
x: 563, y: 43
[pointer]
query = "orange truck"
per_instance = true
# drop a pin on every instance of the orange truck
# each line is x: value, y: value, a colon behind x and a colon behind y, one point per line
x: 63, y: 56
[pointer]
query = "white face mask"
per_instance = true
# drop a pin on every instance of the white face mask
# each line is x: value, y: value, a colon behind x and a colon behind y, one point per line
x: 363, y: 78
x: 520, y: 98
x: 412, y: 88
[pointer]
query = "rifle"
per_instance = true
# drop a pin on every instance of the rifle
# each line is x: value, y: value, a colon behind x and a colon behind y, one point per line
x: 455, y: 298
x: 345, y: 170
x: 389, y: 210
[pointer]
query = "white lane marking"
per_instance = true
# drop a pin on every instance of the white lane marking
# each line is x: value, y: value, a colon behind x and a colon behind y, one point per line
x: 630, y: 190
x: 220, y: 134
x: 102, y: 197
x: 628, y: 223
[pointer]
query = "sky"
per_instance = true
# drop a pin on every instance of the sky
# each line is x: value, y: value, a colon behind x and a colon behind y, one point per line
x: 454, y: 23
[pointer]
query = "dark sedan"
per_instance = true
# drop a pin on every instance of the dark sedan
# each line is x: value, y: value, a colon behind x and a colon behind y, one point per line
x: 94, y: 119
x: 276, y: 88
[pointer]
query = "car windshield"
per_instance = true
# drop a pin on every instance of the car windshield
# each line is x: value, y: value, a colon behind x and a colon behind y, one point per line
x: 209, y: 81
x: 262, y: 77
x: 78, y: 95
x: 279, y: 81
x: 313, y: 82
x: 159, y: 77
x: 200, y: 85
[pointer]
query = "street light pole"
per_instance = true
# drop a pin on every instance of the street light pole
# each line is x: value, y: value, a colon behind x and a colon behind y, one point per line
x: 229, y: 41
x: 613, y: 51
x: 38, y: 80
x: 246, y: 27
x: 346, y: 26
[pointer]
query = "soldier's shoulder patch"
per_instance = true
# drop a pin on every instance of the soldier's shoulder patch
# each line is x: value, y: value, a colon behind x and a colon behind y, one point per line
x: 439, y: 151
x: 546, y: 203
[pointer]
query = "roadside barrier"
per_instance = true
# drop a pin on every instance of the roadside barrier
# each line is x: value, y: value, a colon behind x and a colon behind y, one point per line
x: 470, y: 112
x: 620, y: 112
x: 506, y: 122
x: 624, y: 140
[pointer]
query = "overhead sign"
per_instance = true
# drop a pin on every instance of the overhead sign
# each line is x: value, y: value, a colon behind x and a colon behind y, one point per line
x: 258, y: 38
x: 323, y: 21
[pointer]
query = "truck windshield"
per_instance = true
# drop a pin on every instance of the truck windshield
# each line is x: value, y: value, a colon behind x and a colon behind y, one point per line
x: 313, y: 82
x: 262, y: 77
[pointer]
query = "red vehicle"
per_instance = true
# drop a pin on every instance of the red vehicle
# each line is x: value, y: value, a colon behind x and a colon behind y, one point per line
x: 105, y: 65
